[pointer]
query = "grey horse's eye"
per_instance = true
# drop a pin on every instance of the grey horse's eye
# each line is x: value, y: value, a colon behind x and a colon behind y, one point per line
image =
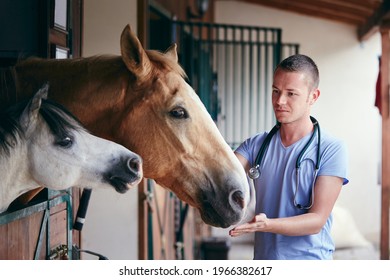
x: 179, y: 113
x: 66, y: 142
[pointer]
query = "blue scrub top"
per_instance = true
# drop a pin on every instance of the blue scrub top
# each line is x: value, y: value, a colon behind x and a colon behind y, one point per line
x: 276, y: 186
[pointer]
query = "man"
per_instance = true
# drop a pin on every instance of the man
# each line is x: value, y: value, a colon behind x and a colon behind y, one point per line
x: 293, y: 208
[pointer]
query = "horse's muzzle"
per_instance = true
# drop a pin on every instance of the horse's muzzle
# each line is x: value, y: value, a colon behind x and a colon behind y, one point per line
x: 223, y: 212
x: 124, y: 174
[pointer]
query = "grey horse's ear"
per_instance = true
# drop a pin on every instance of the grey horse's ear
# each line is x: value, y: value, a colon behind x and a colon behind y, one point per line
x: 29, y: 116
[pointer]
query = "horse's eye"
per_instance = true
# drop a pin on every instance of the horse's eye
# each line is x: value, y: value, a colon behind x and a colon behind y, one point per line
x: 66, y: 142
x: 179, y: 113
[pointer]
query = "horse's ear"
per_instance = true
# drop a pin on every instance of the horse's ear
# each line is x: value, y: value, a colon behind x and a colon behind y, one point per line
x: 133, y: 54
x: 30, y: 113
x: 171, y: 52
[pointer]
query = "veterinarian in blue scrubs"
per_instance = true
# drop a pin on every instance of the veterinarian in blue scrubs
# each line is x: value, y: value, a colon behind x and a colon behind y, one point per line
x: 298, y: 171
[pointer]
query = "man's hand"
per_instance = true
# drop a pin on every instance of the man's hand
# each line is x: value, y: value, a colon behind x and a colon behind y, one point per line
x: 258, y: 223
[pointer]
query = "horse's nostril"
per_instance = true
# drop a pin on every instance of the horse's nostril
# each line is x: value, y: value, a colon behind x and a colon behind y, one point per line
x: 237, y: 198
x: 134, y: 164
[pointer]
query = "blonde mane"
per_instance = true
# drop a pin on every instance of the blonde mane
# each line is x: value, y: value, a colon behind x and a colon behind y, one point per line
x: 163, y: 62
x: 98, y: 66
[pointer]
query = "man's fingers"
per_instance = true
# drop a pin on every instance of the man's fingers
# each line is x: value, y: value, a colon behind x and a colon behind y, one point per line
x: 260, y: 218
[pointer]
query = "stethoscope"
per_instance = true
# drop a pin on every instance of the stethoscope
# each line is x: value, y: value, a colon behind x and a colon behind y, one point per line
x: 254, y: 171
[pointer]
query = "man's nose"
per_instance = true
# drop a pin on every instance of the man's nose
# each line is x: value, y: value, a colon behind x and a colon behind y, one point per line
x: 281, y: 99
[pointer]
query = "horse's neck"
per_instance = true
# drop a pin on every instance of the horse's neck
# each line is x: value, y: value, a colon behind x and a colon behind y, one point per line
x: 89, y: 90
x: 15, y: 175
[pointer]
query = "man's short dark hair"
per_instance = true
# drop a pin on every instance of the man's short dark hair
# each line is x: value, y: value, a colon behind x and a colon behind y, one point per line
x: 301, y: 63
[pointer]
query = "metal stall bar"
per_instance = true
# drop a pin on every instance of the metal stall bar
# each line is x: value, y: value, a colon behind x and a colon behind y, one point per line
x: 38, y: 247
x: 149, y: 197
x: 289, y: 49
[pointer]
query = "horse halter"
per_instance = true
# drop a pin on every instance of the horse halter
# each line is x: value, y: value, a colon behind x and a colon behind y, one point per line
x: 255, y: 172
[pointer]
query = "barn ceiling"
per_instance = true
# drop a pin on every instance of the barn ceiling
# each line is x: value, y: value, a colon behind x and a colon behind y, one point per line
x: 366, y: 15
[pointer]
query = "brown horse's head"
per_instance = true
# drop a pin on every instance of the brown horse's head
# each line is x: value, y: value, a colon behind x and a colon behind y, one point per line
x: 182, y: 149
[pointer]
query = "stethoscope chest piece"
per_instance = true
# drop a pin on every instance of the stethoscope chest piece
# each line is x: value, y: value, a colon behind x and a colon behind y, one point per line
x: 254, y: 172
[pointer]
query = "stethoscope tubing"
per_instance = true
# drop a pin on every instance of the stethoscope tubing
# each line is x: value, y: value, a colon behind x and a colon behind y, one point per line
x: 255, y: 172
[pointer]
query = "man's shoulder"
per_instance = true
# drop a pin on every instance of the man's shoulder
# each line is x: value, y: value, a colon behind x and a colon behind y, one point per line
x: 328, y: 139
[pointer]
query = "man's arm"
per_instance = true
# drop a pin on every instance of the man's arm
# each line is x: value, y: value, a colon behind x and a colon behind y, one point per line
x: 327, y: 190
x: 244, y: 161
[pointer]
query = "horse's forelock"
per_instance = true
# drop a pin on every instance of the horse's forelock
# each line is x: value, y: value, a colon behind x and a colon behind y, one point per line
x: 58, y: 118
x: 163, y: 62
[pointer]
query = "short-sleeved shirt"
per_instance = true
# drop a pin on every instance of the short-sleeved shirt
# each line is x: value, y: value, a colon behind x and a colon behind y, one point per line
x: 276, y: 187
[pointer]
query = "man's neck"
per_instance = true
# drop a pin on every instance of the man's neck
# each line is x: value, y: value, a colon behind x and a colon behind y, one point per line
x: 292, y: 132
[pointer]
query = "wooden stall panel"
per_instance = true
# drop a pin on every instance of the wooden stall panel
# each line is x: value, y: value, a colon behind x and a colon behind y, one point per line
x: 19, y: 238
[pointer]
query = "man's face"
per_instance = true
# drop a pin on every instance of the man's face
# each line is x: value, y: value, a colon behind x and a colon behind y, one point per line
x: 292, y: 96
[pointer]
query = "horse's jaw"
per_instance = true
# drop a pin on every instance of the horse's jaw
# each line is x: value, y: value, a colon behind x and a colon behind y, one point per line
x: 248, y: 211
x: 216, y: 212
x: 221, y: 202
x: 13, y: 190
x: 15, y: 176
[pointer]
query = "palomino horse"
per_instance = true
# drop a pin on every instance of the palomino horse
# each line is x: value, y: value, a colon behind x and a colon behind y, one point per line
x: 41, y: 144
x: 141, y: 100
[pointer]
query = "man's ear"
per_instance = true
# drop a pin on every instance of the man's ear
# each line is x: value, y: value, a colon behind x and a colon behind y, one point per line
x: 314, y: 95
